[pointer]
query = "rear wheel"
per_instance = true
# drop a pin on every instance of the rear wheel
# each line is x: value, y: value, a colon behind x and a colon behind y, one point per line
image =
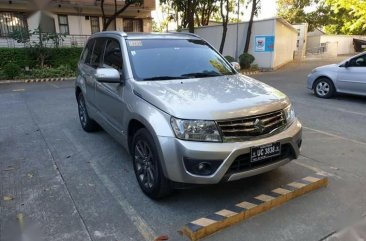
x: 88, y: 124
x: 324, y: 88
x: 147, y: 166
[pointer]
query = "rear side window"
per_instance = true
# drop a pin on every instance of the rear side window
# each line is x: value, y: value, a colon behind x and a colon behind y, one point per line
x: 87, y: 52
x: 113, y: 55
x: 97, y: 53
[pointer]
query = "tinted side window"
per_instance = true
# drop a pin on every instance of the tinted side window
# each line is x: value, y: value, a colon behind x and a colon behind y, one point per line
x: 113, y: 55
x: 87, y: 52
x: 359, y: 61
x: 97, y: 54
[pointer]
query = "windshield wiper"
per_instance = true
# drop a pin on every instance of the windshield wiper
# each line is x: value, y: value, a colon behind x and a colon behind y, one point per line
x: 202, y: 74
x: 165, y: 77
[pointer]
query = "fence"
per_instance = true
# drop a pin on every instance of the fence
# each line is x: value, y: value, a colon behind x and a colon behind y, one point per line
x: 67, y: 41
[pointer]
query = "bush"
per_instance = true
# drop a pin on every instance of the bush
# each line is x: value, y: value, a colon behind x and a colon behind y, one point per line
x: 61, y: 71
x: 245, y: 60
x: 55, y: 57
x: 230, y: 58
x: 11, y: 70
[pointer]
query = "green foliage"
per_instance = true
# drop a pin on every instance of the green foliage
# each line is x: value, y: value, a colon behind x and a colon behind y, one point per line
x: 61, y: 71
x: 336, y: 16
x: 27, y: 57
x: 11, y: 70
x: 230, y: 58
x: 60, y: 62
x: 245, y: 60
x: 352, y: 16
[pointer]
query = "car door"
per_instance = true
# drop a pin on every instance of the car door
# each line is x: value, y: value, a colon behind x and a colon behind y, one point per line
x: 86, y: 73
x: 352, y: 78
x: 109, y: 96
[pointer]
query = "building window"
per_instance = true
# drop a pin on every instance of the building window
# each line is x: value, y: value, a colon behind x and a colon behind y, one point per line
x: 10, y: 22
x: 63, y: 23
x: 94, y: 23
x: 298, y: 43
x: 132, y: 25
x: 298, y: 32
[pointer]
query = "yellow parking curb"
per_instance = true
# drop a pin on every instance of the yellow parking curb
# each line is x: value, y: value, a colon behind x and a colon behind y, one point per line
x: 205, y: 226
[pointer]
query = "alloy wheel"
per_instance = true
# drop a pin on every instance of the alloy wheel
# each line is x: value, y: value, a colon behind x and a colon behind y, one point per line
x: 144, y: 162
x: 82, y: 111
x: 322, y: 88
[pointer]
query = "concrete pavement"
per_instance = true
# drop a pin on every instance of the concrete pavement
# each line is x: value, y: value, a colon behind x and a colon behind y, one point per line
x: 70, y: 185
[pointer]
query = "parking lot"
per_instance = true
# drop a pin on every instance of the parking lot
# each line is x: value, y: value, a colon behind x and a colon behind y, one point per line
x: 65, y: 184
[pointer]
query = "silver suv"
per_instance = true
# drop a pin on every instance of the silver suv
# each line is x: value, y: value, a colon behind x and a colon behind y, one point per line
x: 182, y: 111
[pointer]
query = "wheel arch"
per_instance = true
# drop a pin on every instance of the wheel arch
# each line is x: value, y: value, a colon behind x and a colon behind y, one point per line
x: 137, y: 123
x: 326, y: 77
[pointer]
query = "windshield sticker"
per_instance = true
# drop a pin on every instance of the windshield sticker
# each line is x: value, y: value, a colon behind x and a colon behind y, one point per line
x: 135, y: 43
x: 133, y: 52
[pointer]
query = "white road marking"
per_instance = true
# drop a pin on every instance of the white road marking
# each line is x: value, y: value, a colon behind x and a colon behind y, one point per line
x: 18, y: 90
x: 141, y: 225
x: 334, y: 135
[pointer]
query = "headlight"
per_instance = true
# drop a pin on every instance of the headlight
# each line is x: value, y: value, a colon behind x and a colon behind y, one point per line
x: 195, y: 130
x: 289, y: 114
x: 314, y: 70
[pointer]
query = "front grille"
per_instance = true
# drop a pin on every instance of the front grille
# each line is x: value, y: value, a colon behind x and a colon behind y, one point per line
x: 242, y: 162
x: 246, y: 127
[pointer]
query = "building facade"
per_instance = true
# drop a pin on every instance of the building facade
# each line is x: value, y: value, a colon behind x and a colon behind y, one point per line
x: 74, y: 19
x: 301, y: 42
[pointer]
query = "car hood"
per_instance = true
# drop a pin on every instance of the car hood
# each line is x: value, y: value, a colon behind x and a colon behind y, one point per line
x: 328, y: 66
x: 212, y: 98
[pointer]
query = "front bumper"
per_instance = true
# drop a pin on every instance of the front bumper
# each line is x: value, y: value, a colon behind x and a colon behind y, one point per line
x: 173, y: 150
x: 310, y: 81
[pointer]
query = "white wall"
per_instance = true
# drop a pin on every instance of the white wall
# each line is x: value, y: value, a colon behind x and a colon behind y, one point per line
x: 285, y: 45
x: 213, y: 35
x: 285, y: 41
x: 344, y: 42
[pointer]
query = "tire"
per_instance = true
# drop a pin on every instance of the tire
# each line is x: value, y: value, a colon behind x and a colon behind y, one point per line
x: 88, y: 124
x: 147, y: 166
x: 324, y: 88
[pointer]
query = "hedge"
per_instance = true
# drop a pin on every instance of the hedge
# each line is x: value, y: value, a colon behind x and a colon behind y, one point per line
x: 55, y: 57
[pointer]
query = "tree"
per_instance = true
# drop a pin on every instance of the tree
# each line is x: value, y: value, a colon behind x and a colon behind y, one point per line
x: 254, y: 12
x: 354, y: 12
x: 190, y: 13
x: 294, y: 12
x: 224, y: 10
x: 336, y: 16
x: 107, y: 20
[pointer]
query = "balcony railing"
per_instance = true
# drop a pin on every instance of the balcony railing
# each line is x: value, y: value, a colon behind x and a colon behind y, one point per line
x: 67, y: 41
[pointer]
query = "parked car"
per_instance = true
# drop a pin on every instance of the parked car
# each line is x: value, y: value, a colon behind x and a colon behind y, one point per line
x: 182, y: 111
x: 349, y: 77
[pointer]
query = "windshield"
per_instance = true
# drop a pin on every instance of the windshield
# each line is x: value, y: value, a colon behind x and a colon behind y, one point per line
x: 162, y: 59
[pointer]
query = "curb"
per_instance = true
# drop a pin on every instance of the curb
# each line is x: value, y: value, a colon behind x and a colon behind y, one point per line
x: 250, y: 72
x: 36, y: 80
x: 224, y: 218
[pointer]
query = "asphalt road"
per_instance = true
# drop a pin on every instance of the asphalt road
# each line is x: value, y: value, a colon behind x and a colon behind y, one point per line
x: 66, y: 184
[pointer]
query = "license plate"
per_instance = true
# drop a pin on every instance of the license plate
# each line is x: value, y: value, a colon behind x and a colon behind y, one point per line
x: 259, y: 153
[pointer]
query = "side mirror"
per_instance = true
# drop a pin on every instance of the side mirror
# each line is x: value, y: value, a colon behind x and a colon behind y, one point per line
x: 347, y: 64
x: 108, y: 75
x: 236, y: 65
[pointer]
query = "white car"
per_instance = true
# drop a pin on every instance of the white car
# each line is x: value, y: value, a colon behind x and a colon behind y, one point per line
x: 349, y: 77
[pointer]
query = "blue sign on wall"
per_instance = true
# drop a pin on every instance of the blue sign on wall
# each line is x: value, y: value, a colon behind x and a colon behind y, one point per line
x: 264, y: 43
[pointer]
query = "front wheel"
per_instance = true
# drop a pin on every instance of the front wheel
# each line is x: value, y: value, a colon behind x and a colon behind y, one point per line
x: 147, y: 166
x: 324, y: 88
x: 88, y: 124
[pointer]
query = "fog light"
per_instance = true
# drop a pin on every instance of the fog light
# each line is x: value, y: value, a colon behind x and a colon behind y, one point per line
x: 201, y: 167
x: 204, y: 168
